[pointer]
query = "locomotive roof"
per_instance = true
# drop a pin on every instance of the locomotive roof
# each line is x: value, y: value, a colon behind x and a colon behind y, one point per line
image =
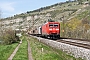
x: 50, y: 22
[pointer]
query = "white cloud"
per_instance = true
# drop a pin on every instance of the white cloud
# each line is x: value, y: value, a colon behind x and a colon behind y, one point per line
x: 7, y: 6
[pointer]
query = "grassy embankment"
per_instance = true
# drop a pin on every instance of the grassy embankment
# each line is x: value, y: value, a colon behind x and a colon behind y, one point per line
x: 6, y: 50
x: 41, y: 51
x: 22, y: 53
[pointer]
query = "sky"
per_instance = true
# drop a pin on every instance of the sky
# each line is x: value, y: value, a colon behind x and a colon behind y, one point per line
x: 12, y: 7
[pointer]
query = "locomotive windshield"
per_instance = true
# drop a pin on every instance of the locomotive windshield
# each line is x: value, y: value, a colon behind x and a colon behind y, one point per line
x: 53, y: 25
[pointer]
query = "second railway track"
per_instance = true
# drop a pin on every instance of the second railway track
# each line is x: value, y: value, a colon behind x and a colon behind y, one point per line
x: 76, y: 43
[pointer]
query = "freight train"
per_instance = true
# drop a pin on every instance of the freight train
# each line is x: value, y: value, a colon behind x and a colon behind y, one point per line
x: 50, y: 29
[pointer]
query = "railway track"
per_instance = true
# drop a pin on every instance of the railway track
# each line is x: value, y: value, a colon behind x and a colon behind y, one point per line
x: 75, y: 42
x: 76, y: 47
x: 78, y: 43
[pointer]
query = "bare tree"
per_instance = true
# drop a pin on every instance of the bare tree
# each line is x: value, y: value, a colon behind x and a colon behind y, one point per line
x: 0, y: 26
x: 0, y: 22
x: 0, y: 14
x: 1, y: 30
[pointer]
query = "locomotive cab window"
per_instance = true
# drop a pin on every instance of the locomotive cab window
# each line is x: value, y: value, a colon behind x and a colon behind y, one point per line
x: 50, y: 25
x: 55, y: 25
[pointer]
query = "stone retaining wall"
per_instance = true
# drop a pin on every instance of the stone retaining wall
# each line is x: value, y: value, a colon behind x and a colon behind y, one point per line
x: 73, y: 50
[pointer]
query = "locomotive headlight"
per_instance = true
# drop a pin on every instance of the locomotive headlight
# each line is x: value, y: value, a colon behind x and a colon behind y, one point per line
x: 50, y: 29
x: 57, y: 29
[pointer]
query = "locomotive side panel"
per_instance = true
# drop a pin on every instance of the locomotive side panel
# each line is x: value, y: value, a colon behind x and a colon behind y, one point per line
x: 45, y: 29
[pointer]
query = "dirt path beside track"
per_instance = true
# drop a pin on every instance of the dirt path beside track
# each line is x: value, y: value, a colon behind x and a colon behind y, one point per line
x: 13, y: 54
x: 29, y: 52
x: 16, y: 49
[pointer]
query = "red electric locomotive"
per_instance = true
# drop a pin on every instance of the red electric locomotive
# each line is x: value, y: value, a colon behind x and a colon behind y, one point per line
x: 51, y: 30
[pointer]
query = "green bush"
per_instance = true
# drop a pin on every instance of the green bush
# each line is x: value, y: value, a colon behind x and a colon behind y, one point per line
x: 9, y: 37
